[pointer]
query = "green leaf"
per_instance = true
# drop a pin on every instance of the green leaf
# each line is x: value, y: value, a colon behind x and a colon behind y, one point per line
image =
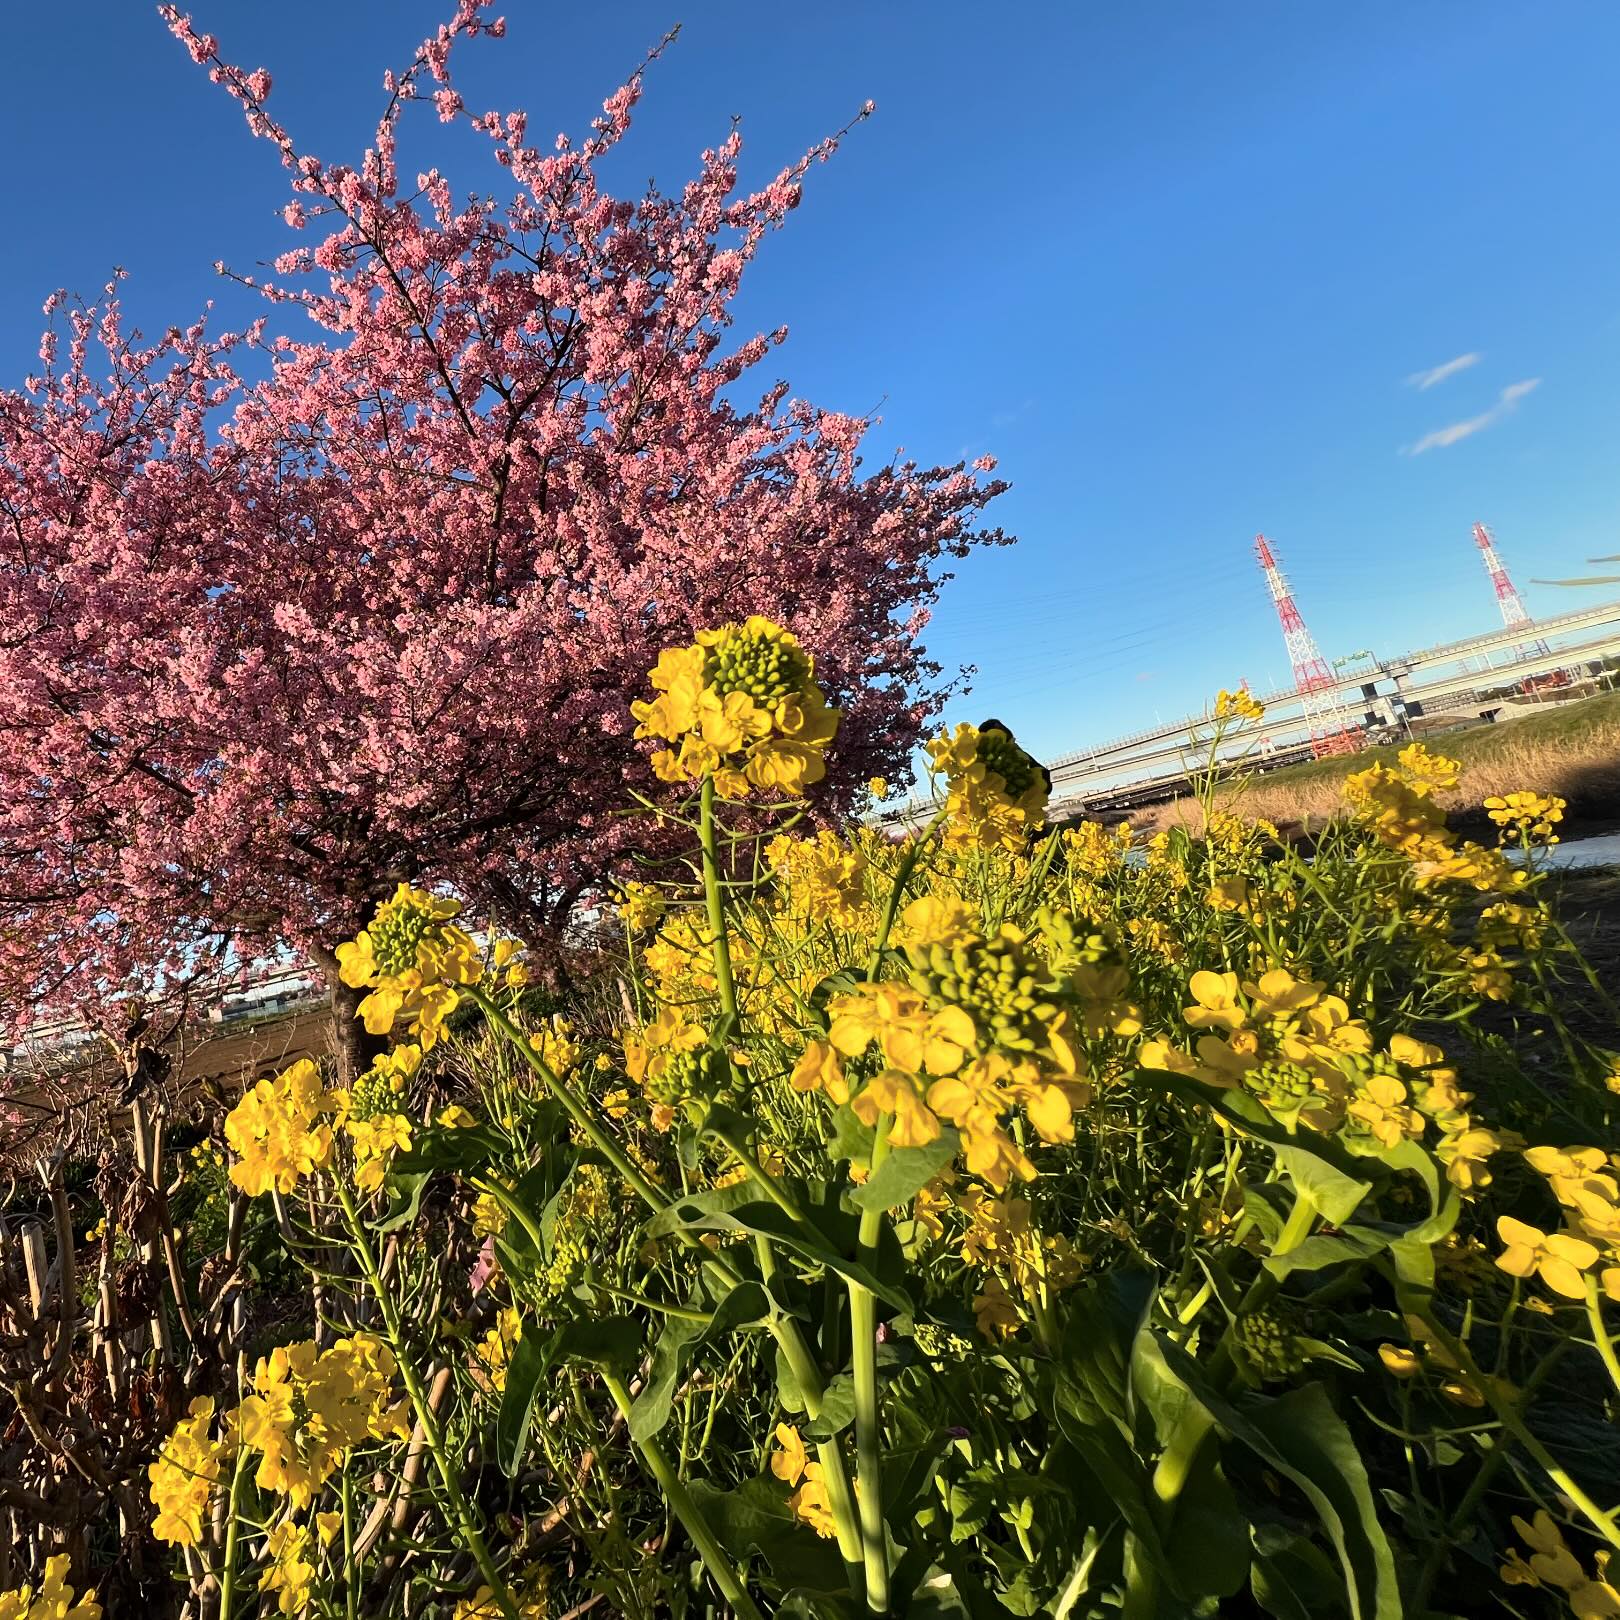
x: 610, y: 1342
x: 851, y: 1139
x: 1208, y: 1548
x: 905, y: 1171
x: 406, y: 1203
x: 678, y: 1343
x: 755, y: 1517
x: 689, y: 1209
x: 1300, y: 1435
x: 447, y: 1148
x: 1334, y: 1192
x: 837, y: 1412
x: 1291, y: 1578
x: 1078, y: 1581
x: 525, y: 1373
x: 1321, y: 1164
x: 1101, y: 1323
x: 807, y: 1239
x: 842, y: 983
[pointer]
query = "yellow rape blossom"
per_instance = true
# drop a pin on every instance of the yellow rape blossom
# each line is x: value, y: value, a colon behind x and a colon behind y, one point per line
x: 743, y: 704
x: 183, y: 1478
x: 641, y: 907
x: 1531, y: 815
x: 277, y: 1132
x: 1239, y: 705
x: 412, y: 957
x: 54, y: 1599
x: 290, y: 1574
x: 791, y: 1464
x: 1557, y: 1258
x: 996, y: 794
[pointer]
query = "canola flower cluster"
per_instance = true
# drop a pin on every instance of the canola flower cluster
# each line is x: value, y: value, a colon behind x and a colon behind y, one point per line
x: 1238, y: 705
x: 806, y: 1479
x: 53, y: 1599
x: 1294, y: 1047
x: 743, y: 705
x: 1552, y: 1564
x: 820, y: 879
x: 287, y: 1128
x: 984, y: 1025
x: 412, y: 959
x: 995, y: 793
x: 307, y: 1408
x: 1399, y: 806
x: 1586, y: 1183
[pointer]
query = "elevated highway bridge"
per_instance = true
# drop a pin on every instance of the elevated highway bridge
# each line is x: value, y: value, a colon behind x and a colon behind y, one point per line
x: 1465, y: 678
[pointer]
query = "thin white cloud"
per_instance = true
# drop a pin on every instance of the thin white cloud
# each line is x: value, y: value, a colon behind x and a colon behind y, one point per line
x: 1438, y: 374
x: 1456, y: 432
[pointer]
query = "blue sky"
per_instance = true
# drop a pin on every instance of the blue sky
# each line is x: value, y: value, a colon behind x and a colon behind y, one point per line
x: 1175, y: 265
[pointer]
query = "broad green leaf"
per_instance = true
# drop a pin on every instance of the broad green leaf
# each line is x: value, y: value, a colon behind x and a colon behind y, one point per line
x: 837, y: 1411
x: 1102, y: 1320
x: 610, y: 1342
x: 1208, y: 1547
x: 762, y: 1219
x: 905, y: 1171
x: 678, y: 1343
x: 1291, y: 1578
x: 755, y: 1517
x: 1328, y: 1166
x: 1300, y: 1435
x: 1334, y: 1192
x: 406, y: 1203
x: 446, y: 1148
x: 525, y: 1374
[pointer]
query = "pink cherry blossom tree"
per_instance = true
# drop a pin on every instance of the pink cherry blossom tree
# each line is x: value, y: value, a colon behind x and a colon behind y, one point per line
x: 284, y: 618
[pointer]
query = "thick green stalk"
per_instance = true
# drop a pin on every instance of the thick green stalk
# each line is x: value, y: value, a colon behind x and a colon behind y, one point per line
x: 720, y: 943
x: 233, y: 1522
x: 685, y: 1508
x: 868, y: 1419
x: 425, y: 1415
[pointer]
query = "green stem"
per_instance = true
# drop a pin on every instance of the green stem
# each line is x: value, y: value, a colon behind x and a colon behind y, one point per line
x: 685, y: 1508
x: 577, y: 1111
x: 1508, y: 1412
x: 891, y: 906
x: 425, y: 1416
x: 350, y: 1574
x: 868, y: 1419
x: 1600, y: 1333
x: 630, y: 1298
x: 840, y: 1497
x: 714, y: 901
x: 227, y: 1579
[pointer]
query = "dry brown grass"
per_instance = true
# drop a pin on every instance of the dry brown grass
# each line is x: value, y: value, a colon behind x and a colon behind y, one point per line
x: 1573, y: 752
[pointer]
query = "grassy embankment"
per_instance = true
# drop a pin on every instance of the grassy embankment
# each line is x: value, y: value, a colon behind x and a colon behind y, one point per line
x: 1572, y: 750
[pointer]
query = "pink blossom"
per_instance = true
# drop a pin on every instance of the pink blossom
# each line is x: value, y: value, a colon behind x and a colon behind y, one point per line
x: 286, y: 615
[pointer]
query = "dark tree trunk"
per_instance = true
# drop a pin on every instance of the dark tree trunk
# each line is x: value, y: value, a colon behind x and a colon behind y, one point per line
x: 352, y: 1045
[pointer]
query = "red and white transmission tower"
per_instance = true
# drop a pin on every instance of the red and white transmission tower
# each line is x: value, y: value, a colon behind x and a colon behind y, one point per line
x: 1507, y: 597
x: 1313, y: 680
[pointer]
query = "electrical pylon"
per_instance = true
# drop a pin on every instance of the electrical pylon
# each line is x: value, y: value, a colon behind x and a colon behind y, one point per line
x: 1507, y: 596
x: 1313, y: 680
